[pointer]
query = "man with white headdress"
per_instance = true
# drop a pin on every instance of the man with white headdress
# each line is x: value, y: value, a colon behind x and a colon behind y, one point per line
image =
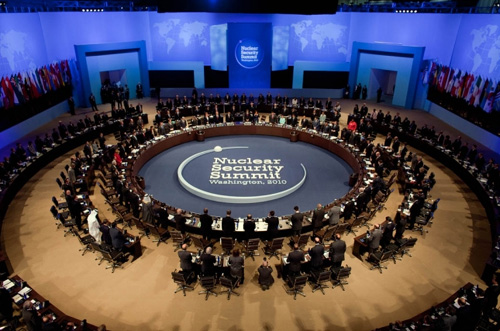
x: 94, y: 225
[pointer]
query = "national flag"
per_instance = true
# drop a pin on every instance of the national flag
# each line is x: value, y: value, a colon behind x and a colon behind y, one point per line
x: 456, y: 83
x: 7, y: 101
x: 451, y: 80
x: 45, y: 79
x: 467, y: 87
x: 22, y: 86
x: 58, y: 73
x: 436, y: 76
x: 429, y: 74
x: 18, y: 92
x: 484, y: 93
x: 67, y: 70
x: 496, y: 101
x: 11, y: 94
x: 476, y: 94
x: 53, y: 76
x: 490, y: 99
x: 40, y: 80
x: 443, y: 78
x: 34, y: 87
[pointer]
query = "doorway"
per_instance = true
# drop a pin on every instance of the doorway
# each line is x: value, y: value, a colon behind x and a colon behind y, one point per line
x: 385, y: 79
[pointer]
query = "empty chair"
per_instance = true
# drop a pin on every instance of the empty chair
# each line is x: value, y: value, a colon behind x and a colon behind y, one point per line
x: 177, y: 238
x: 160, y: 234
x: 181, y: 280
x: 200, y: 243
x: 113, y: 258
x: 406, y: 244
x: 318, y: 280
x: 227, y: 244
x: 420, y: 222
x: 208, y: 283
x: 273, y: 247
x: 67, y: 224
x: 355, y: 222
x: 341, y: 228
x: 327, y: 234
x: 143, y: 229
x: 229, y: 284
x: 55, y: 212
x: 379, y: 257
x: 63, y: 175
x: 302, y: 240
x: 59, y: 205
x: 339, y: 276
x: 85, y: 242
x: 251, y: 247
x: 296, y: 284
x: 59, y: 183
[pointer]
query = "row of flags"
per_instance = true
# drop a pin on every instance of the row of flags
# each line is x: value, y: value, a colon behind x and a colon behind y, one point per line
x: 29, y: 85
x: 477, y: 91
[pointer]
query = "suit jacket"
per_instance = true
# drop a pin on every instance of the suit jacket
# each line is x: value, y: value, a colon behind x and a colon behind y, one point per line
x: 317, y: 218
x: 180, y: 223
x: 337, y: 250
x: 297, y: 221
x: 186, y: 260
x: 249, y: 227
x: 117, y: 238
x: 207, y: 264
x: 206, y: 223
x: 272, y: 225
x: 375, y: 238
x: 295, y: 259
x: 316, y: 254
x: 334, y: 215
x: 228, y: 226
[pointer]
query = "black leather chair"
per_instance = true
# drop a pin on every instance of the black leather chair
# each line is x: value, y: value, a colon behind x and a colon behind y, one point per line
x: 296, y: 285
x: 229, y: 284
x: 318, y: 280
x: 181, y: 280
x: 273, y: 247
x: 379, y: 257
x: 339, y: 276
x: 251, y: 246
x: 208, y: 283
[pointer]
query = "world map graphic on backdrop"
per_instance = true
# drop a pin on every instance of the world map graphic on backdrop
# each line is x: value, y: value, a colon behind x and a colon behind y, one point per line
x: 14, y: 53
x: 485, y: 49
x: 190, y: 35
x: 320, y: 36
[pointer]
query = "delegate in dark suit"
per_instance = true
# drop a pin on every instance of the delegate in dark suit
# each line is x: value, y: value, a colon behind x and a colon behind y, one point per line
x: 272, y: 227
x: 316, y: 254
x: 337, y: 252
x: 180, y: 222
x: 206, y: 226
x: 207, y: 264
x: 228, y: 226
x: 297, y: 222
x: 186, y: 260
x: 295, y: 260
x: 317, y: 218
x: 117, y: 238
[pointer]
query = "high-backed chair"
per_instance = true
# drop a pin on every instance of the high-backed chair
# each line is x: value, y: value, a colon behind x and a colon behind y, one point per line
x: 318, y: 280
x: 296, y: 285
x: 355, y: 222
x: 251, y: 247
x: 143, y: 229
x: 379, y: 257
x: 341, y: 228
x: 85, y: 242
x: 208, y: 283
x: 114, y: 259
x: 160, y: 234
x: 227, y: 244
x: 406, y: 244
x: 302, y: 240
x: 339, y: 276
x: 67, y: 224
x: 200, y: 243
x: 273, y: 247
x: 182, y: 281
x: 177, y: 238
x: 229, y: 285
x: 59, y: 205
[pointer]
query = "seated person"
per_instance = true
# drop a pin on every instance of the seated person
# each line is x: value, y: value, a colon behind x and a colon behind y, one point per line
x: 265, y: 275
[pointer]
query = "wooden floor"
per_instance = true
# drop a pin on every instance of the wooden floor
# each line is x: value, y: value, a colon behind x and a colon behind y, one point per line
x: 141, y: 295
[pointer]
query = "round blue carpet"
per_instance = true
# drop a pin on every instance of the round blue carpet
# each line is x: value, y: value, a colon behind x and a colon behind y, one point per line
x: 247, y: 174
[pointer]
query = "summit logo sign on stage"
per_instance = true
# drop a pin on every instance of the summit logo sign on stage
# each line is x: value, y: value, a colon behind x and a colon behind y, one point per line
x: 226, y: 171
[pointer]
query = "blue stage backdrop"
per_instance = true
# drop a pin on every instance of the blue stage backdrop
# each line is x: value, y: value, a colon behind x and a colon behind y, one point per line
x: 249, y: 48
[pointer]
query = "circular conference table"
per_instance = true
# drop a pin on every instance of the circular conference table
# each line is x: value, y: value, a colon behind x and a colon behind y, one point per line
x: 199, y: 133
